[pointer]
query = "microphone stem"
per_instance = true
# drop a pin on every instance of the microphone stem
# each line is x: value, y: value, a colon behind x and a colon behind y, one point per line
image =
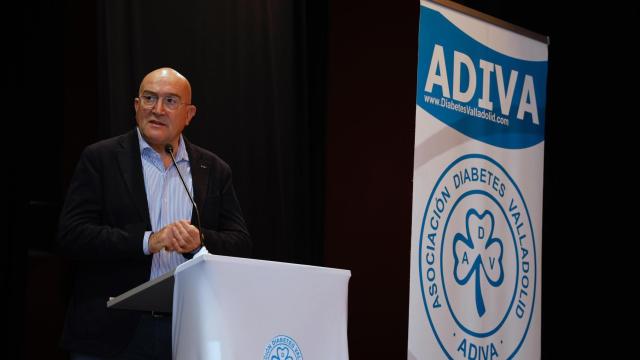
x: 190, y: 198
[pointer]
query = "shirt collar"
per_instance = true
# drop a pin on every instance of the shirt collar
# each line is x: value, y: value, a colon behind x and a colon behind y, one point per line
x: 181, y: 154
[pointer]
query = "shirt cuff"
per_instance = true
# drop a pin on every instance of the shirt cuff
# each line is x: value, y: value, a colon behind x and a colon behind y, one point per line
x: 145, y: 242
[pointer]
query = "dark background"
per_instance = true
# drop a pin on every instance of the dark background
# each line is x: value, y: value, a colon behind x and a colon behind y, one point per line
x: 312, y: 103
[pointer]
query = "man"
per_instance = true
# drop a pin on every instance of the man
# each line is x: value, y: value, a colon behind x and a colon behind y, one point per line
x: 127, y: 219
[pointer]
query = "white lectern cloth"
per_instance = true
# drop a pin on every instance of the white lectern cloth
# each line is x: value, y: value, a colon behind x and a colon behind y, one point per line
x: 232, y: 308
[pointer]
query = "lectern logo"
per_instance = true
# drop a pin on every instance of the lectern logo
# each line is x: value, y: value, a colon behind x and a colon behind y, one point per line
x: 477, y: 262
x: 282, y: 347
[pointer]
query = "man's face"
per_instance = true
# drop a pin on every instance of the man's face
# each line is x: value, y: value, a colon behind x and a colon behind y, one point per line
x: 163, y: 109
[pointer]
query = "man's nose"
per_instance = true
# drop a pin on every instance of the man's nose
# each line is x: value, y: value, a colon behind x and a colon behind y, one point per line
x: 158, y: 107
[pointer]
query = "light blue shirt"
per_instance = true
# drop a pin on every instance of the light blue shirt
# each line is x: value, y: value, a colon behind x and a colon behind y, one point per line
x: 167, y: 199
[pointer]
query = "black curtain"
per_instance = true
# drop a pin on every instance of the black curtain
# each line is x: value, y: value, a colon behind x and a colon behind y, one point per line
x: 256, y: 72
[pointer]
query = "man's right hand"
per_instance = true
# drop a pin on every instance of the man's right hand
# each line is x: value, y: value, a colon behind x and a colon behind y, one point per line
x: 179, y: 236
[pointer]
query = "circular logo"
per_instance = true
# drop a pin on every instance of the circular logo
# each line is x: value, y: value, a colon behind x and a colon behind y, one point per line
x: 477, y: 262
x: 282, y: 347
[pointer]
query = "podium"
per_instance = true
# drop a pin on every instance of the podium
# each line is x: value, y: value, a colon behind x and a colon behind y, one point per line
x: 234, y: 308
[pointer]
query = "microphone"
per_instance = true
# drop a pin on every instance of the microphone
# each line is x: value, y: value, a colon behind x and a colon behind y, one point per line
x: 169, y: 150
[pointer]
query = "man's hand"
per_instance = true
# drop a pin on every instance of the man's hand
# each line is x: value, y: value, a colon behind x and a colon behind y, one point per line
x: 179, y: 236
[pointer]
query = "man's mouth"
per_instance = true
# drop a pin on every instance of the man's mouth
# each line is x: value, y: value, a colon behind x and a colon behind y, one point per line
x: 157, y: 123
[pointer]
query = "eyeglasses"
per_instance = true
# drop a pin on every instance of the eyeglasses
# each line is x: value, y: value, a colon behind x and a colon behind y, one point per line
x: 170, y: 102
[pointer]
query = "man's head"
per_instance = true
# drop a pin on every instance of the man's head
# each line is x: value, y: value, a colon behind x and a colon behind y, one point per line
x: 163, y: 107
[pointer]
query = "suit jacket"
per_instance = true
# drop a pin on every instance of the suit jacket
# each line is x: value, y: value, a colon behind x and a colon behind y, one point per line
x: 102, y: 225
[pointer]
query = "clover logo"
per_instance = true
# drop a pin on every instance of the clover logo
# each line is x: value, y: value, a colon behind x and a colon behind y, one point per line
x: 478, y: 255
x: 282, y: 353
x: 282, y: 347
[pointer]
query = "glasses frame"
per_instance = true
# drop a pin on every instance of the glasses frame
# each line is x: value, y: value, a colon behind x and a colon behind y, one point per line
x: 146, y: 105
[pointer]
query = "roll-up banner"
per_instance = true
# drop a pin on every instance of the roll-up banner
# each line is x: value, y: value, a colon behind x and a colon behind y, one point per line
x: 477, y: 188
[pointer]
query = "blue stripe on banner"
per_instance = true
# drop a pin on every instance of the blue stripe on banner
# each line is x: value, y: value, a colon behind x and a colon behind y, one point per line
x: 477, y: 90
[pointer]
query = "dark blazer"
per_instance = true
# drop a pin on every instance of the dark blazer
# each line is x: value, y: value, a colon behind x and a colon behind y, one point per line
x: 102, y: 225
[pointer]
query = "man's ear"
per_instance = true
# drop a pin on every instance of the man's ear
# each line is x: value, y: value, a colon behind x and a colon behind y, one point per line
x: 191, y: 113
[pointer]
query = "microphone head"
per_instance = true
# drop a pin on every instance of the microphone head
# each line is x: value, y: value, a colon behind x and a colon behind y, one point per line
x: 168, y: 148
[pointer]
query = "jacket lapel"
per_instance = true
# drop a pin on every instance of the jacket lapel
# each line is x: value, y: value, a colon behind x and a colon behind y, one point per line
x: 199, y: 176
x: 131, y: 169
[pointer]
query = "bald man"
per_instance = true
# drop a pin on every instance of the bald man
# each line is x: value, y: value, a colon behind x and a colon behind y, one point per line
x: 127, y: 219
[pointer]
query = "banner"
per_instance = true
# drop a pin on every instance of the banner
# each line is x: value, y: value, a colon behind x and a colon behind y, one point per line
x: 477, y: 190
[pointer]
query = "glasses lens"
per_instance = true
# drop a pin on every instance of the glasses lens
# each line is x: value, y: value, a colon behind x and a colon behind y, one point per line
x: 148, y: 101
x: 171, y: 102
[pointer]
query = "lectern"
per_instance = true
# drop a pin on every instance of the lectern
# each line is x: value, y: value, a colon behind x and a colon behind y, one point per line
x: 234, y: 308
